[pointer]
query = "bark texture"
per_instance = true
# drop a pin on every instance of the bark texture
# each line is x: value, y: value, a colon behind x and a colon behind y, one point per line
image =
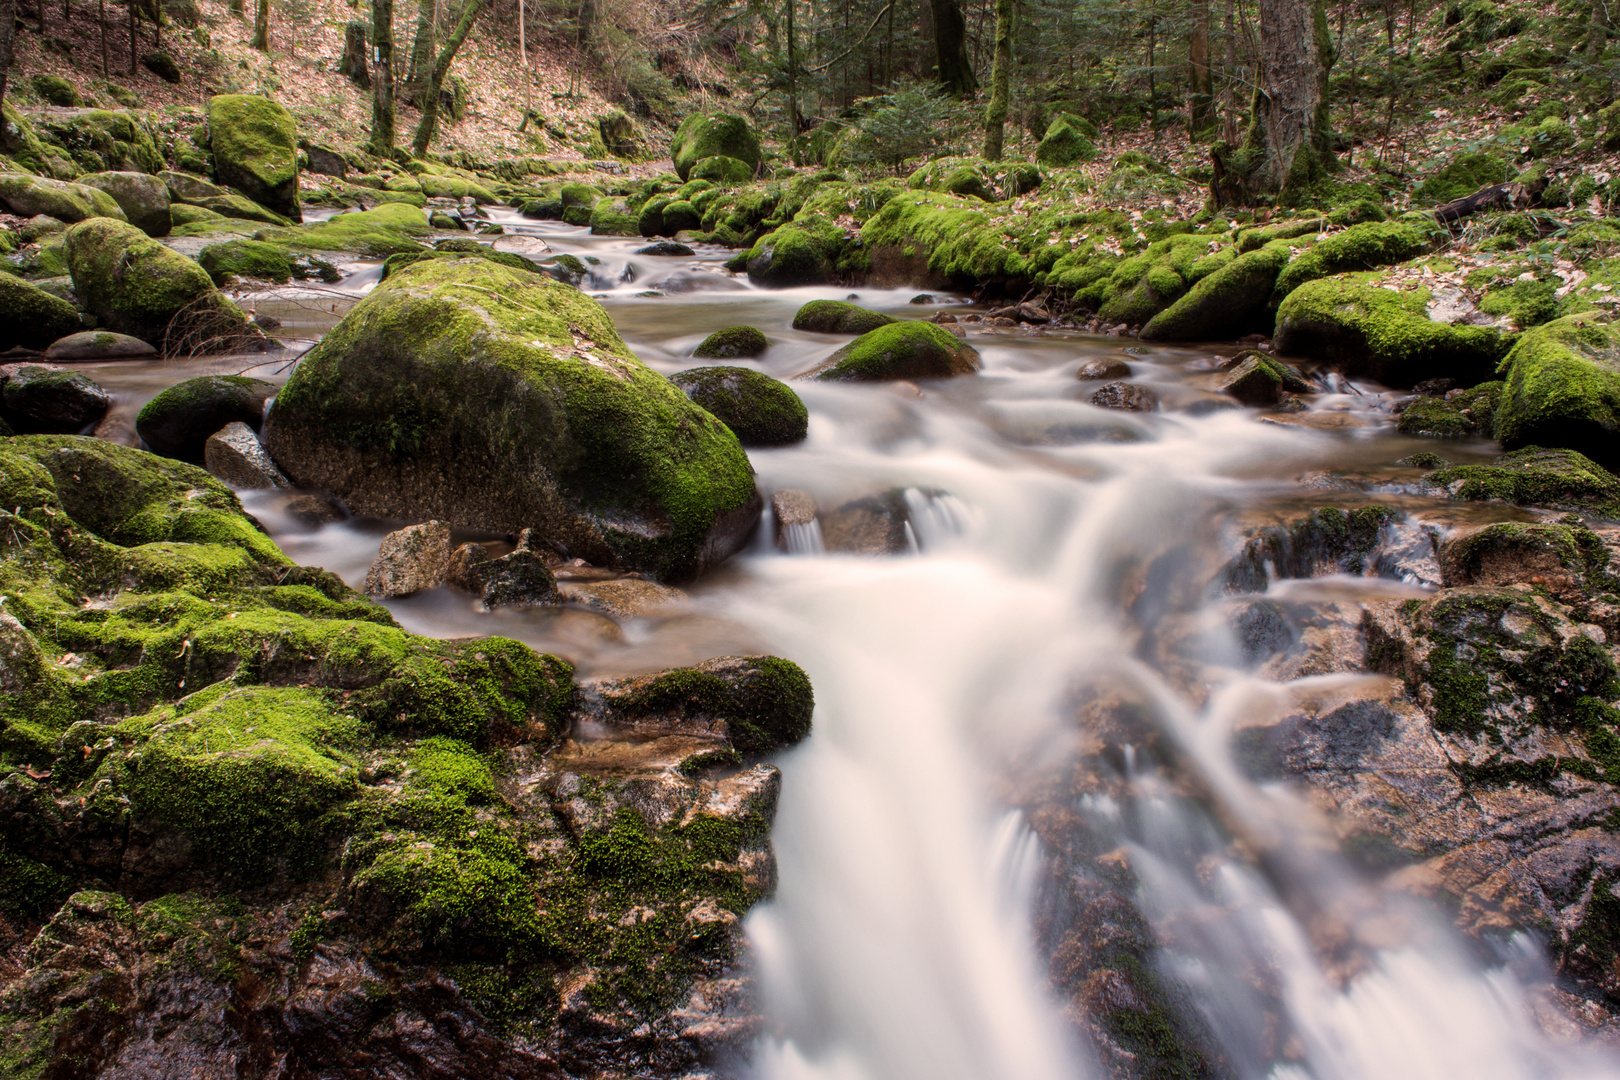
x: 950, y: 47
x: 995, y: 113
x: 382, y: 78
x: 428, y: 128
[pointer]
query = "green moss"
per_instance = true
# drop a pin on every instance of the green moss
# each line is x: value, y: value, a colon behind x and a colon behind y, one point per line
x: 1463, y: 175
x: 372, y: 234
x: 395, y: 263
x: 1468, y: 414
x: 679, y: 216
x: 29, y: 890
x: 28, y: 196
x: 788, y: 257
x: 1227, y: 302
x: 723, y: 170
x: 706, y: 135
x: 837, y: 317
x: 1067, y: 142
x: 760, y: 410
x: 245, y: 258
x: 1142, y: 286
x: 613, y: 216
x: 901, y: 350
x: 732, y: 343
x: 102, y: 140
x: 254, y: 145
x: 1563, y: 388
x: 1533, y: 476
x: 32, y: 317
x: 1360, y: 247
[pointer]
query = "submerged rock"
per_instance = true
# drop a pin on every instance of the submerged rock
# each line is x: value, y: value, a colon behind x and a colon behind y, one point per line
x: 732, y: 343
x: 1107, y: 368
x: 596, y: 452
x: 1457, y: 415
x: 1128, y: 397
x: 178, y: 422
x: 902, y: 350
x: 760, y: 410
x: 837, y: 317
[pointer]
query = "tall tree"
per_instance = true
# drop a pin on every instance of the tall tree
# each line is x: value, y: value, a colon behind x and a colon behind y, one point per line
x: 423, y: 46
x: 261, y: 27
x: 8, y: 33
x: 382, y: 78
x: 1201, y: 100
x: 950, y: 48
x: 1297, y: 51
x: 428, y: 128
x: 995, y: 113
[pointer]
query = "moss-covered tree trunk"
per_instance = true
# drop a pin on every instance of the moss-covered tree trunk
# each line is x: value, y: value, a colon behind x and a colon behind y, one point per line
x: 585, y: 20
x: 1201, y: 96
x: 423, y: 46
x: 995, y: 113
x: 8, y: 34
x: 382, y: 78
x: 950, y: 48
x: 353, y: 64
x: 429, y: 125
x: 261, y: 26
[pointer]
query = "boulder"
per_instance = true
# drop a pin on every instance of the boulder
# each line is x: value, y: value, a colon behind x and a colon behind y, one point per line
x: 410, y: 560
x: 235, y: 455
x: 254, y: 143
x: 246, y: 259
x: 55, y: 90
x: 137, y: 286
x: 1103, y: 369
x: 707, y: 135
x: 620, y: 135
x: 1563, y: 388
x: 677, y: 217
x: 45, y: 400
x: 612, y: 215
x: 32, y: 317
x: 872, y: 525
x: 732, y: 343
x: 162, y: 65
x: 326, y: 161
x: 1534, y: 476
x: 1558, y: 558
x: 902, y: 350
x: 517, y: 579
x: 1126, y: 397
x: 1459, y: 414
x: 178, y: 422
x: 759, y: 703
x: 1067, y: 142
x: 621, y: 598
x: 1260, y: 380
x: 26, y: 196
x: 595, y: 451
x: 1360, y: 247
x: 760, y: 410
x: 786, y: 258
x: 1371, y: 332
x: 795, y: 513
x: 1227, y: 303
x: 144, y: 199
x: 726, y: 171
x: 666, y: 248
x: 90, y: 345
x: 186, y: 214
x: 837, y: 317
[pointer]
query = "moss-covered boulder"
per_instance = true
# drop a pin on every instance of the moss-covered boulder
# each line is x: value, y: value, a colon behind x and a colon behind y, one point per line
x: 177, y: 422
x: 1460, y: 414
x: 760, y: 410
x: 726, y: 171
x: 1228, y: 303
x: 55, y: 90
x: 1377, y: 333
x: 143, y: 198
x: 761, y: 703
x: 43, y: 400
x: 621, y: 135
x: 592, y: 449
x: 395, y: 263
x: 1141, y: 286
x: 1360, y: 247
x: 27, y: 196
x: 137, y: 286
x: 1534, y: 476
x: 254, y: 144
x: 788, y: 257
x: 1463, y: 175
x: 837, y: 317
x: 732, y: 343
x: 182, y: 214
x: 103, y: 140
x: 902, y: 350
x: 1563, y: 388
x: 613, y: 215
x: 1067, y: 142
x: 247, y: 259
x: 713, y: 134
x: 32, y: 317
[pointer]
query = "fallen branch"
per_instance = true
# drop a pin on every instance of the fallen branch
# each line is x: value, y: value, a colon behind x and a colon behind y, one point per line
x: 1491, y: 197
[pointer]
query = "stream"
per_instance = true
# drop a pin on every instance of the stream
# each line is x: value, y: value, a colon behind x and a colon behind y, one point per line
x: 1060, y: 553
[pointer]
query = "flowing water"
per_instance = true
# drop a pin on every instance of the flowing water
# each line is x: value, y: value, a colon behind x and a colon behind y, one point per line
x: 1056, y: 548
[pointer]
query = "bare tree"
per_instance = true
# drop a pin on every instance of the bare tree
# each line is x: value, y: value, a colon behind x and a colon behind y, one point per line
x: 428, y: 128
x: 382, y: 79
x: 995, y: 113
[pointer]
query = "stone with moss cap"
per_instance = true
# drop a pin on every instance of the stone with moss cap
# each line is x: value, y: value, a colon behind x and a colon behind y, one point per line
x: 246, y: 259
x: 1227, y: 303
x: 902, y: 350
x: 1143, y: 285
x: 373, y: 234
x: 143, y: 198
x: 760, y: 410
x: 137, y: 286
x: 177, y: 422
x: 32, y: 317
x: 678, y: 216
x: 1534, y: 476
x: 713, y: 134
x: 591, y: 448
x: 254, y: 145
x: 612, y: 215
x: 1376, y: 333
x: 1360, y: 247
x: 838, y: 317
x: 1067, y: 141
x: 1458, y: 415
x: 27, y: 196
x: 757, y: 703
x: 787, y: 257
x: 1563, y: 388
x: 395, y: 263
x: 726, y: 171
x: 732, y: 343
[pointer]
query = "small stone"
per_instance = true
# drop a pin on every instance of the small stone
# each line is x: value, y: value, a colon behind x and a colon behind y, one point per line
x: 410, y: 560
x: 1252, y: 383
x: 520, y: 579
x: 666, y: 249
x: 922, y: 298
x: 98, y: 345
x: 235, y: 455
x: 623, y: 598
x: 1111, y: 367
x: 792, y: 509
x: 316, y: 509
x: 1125, y: 396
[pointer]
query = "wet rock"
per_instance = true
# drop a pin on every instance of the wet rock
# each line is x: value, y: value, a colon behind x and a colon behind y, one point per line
x: 254, y: 146
x: 1260, y: 380
x: 27, y: 196
x: 595, y: 451
x: 666, y: 249
x: 874, y: 525
x: 1566, y: 561
x: 902, y: 350
x: 792, y: 509
x: 1563, y: 479
x: 315, y: 510
x: 1458, y: 414
x: 178, y: 422
x: 234, y: 455
x: 732, y: 343
x: 786, y: 258
x: 837, y: 317
x: 410, y: 560
x: 1106, y: 368
x: 32, y: 317
x: 1129, y: 397
x: 1561, y: 388
x: 622, y: 598
x: 517, y: 579
x: 922, y: 298
x: 760, y: 410
x: 144, y: 199
x: 97, y: 345
x: 49, y: 400
x: 757, y: 703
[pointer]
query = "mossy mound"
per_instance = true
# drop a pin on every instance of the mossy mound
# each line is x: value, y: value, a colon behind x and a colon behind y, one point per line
x: 55, y: 90
x: 177, y: 422
x: 144, y: 199
x: 732, y: 343
x: 182, y: 214
x: 677, y: 217
x: 1463, y: 175
x: 760, y: 410
x: 1141, y: 286
x: 103, y: 140
x: 1563, y: 388
x: 621, y: 135
x: 713, y: 134
x: 32, y: 317
x: 902, y: 350
x: 613, y: 216
x: 1360, y: 247
x: 247, y: 259
x: 1464, y: 414
x: 837, y: 317
x: 1067, y: 142
x: 137, y: 286
x: 1534, y: 476
x: 27, y: 196
x: 254, y: 145
x: 1227, y: 303
x: 727, y: 171
x: 591, y: 448
x: 1372, y: 332
x: 788, y: 257
x: 513, y: 261
x: 372, y: 234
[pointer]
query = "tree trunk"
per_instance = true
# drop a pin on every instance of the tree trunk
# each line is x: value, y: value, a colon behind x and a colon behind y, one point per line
x: 585, y: 21
x: 131, y: 36
x: 8, y: 33
x: 423, y: 47
x: 1297, y: 51
x: 429, y: 126
x: 101, y: 21
x: 382, y: 78
x: 1597, y: 31
x: 353, y: 64
x: 261, y: 27
x: 995, y: 113
x: 1201, y: 101
x: 950, y: 49
x: 792, y: 71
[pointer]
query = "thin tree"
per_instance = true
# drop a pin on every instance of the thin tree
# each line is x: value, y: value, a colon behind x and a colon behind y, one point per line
x: 429, y: 125
x: 132, y: 20
x: 382, y: 80
x: 8, y: 33
x: 792, y: 72
x: 423, y: 46
x: 950, y: 48
x: 101, y: 21
x: 995, y: 113
x: 1201, y: 100
x: 261, y: 27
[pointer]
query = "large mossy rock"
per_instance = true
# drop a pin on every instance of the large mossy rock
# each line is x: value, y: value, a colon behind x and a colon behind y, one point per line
x: 902, y: 350
x: 469, y: 393
x: 27, y: 196
x: 32, y: 317
x: 103, y: 140
x: 143, y: 198
x: 177, y: 422
x: 254, y: 143
x: 786, y: 258
x: 1534, y: 476
x: 1563, y: 388
x: 1227, y: 303
x: 733, y: 343
x: 1067, y: 142
x: 1360, y: 247
x: 714, y: 134
x: 760, y: 410
x: 837, y: 317
x: 137, y: 286
x: 1377, y: 333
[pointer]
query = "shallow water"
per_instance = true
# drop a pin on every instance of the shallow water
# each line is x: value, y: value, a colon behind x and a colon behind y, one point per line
x: 1055, y: 545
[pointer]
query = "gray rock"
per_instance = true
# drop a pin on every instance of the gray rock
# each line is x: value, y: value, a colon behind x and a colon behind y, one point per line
x: 98, y: 345
x: 48, y: 400
x: 518, y: 579
x: 326, y: 161
x: 235, y: 455
x: 1128, y: 397
x: 144, y: 199
x: 411, y: 560
x: 1111, y: 367
x: 622, y: 598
